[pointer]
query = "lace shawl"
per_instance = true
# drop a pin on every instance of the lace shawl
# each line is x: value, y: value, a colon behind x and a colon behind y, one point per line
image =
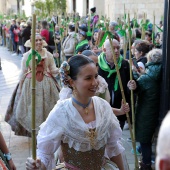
x: 64, y: 123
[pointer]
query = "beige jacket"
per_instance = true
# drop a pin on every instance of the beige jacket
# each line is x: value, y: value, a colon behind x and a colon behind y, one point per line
x: 70, y: 44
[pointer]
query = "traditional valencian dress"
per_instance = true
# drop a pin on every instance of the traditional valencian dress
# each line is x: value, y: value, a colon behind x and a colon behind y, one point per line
x: 19, y: 110
x: 84, y: 146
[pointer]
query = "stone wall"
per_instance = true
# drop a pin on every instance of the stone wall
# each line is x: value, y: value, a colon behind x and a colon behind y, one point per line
x: 115, y: 8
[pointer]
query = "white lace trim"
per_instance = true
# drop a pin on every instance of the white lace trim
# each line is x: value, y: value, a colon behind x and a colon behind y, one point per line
x: 75, y: 130
x: 102, y: 85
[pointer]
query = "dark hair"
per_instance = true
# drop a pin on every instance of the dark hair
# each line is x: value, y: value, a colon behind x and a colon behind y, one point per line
x: 76, y: 62
x: 143, y: 47
x: 88, y: 53
x: 72, y: 27
x: 138, y: 33
x: 44, y: 24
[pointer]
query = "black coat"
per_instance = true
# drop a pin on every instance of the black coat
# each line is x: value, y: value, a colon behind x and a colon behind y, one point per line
x: 25, y: 34
x: 125, y: 76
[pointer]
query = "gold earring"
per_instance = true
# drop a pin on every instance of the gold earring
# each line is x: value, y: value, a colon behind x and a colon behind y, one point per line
x: 74, y: 91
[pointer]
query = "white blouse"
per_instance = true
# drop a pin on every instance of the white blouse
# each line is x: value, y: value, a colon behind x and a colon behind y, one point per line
x: 65, y: 124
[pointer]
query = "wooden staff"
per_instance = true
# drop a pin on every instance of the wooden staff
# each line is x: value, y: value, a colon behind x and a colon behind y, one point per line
x: 33, y: 89
x: 62, y: 49
x: 61, y: 40
x: 153, y: 30
x: 121, y: 87
x: 56, y: 50
x: 125, y: 38
x: 143, y: 29
x: 75, y: 36
x: 132, y: 96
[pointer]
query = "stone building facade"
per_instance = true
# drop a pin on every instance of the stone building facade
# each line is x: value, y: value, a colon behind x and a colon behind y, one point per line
x: 7, y: 5
x: 115, y: 8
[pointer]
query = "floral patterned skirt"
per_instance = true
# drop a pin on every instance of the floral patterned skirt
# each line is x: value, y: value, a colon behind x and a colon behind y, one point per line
x: 19, y: 111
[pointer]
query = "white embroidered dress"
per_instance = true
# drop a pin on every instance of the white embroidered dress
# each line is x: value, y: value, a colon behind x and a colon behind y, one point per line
x: 65, y: 125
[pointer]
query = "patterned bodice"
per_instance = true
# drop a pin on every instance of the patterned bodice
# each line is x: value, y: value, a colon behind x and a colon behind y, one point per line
x: 92, y: 159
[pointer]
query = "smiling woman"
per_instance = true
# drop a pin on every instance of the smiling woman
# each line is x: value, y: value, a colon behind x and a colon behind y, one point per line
x: 18, y: 114
x: 83, y: 135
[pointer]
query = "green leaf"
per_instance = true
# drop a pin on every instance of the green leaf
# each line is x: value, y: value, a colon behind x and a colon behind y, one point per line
x: 104, y: 38
x: 61, y: 31
x: 160, y: 30
x: 125, y: 17
x: 89, y: 33
x: 122, y: 33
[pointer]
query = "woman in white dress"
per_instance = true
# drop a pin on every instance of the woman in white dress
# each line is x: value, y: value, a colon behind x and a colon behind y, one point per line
x: 83, y: 125
x: 102, y: 90
x: 18, y: 114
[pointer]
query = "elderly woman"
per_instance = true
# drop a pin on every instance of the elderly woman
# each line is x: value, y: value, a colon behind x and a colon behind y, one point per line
x: 147, y: 85
x: 19, y: 110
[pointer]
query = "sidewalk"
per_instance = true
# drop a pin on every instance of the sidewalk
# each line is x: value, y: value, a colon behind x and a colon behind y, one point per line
x: 20, y: 147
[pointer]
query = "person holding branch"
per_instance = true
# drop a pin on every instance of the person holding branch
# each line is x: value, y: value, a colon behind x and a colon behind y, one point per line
x: 83, y: 125
x: 108, y: 72
x: 18, y: 114
x: 147, y: 85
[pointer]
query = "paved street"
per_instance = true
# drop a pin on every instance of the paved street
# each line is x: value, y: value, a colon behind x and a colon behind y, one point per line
x: 20, y: 147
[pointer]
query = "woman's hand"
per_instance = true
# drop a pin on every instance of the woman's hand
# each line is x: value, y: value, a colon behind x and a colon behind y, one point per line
x: 32, y: 164
x: 11, y: 164
x: 132, y: 85
x: 124, y: 108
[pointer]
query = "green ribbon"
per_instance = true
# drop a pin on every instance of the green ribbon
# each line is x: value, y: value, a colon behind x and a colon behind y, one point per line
x: 33, y: 53
x: 135, y: 23
x: 104, y: 66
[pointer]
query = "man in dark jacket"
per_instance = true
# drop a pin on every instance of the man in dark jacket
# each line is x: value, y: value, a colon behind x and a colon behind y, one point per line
x: 108, y: 72
x: 11, y: 30
x: 26, y: 33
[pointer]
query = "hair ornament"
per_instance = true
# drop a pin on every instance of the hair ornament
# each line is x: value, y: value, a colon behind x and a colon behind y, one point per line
x: 64, y: 73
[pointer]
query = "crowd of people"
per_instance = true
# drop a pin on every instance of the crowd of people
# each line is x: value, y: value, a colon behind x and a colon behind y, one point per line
x: 82, y: 117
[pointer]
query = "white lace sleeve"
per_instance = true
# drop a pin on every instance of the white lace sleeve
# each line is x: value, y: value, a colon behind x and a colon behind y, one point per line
x: 114, y: 146
x: 48, y: 140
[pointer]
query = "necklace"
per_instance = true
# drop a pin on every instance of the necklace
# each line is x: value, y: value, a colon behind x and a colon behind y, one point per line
x: 85, y: 106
